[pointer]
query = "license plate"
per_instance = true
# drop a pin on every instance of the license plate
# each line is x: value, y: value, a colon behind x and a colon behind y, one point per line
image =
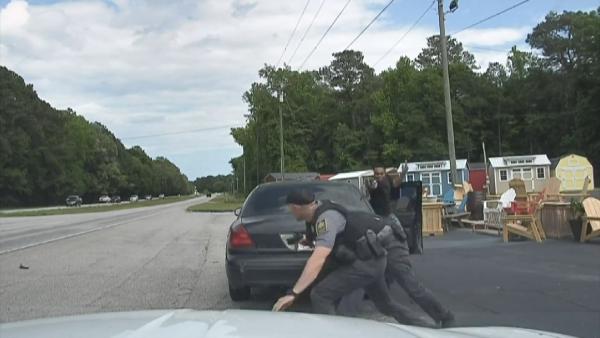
x: 292, y: 242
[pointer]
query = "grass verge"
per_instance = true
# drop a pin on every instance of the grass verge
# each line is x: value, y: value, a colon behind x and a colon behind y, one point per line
x: 221, y: 203
x: 102, y: 208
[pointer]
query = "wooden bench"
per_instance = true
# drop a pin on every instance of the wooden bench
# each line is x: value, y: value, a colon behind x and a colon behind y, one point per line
x: 458, y: 217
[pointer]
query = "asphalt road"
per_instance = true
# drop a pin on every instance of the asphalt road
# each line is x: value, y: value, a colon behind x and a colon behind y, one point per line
x: 163, y: 257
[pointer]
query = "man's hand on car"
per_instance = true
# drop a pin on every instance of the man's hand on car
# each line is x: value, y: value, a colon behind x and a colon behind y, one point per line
x: 284, y: 303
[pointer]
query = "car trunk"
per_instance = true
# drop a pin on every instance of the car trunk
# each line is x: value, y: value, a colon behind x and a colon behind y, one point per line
x: 275, y: 232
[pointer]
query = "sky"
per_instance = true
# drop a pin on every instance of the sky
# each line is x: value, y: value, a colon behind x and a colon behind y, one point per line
x: 169, y: 75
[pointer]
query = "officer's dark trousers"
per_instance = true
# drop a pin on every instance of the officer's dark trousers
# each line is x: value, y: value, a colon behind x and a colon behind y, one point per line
x: 343, y: 280
x: 400, y: 270
x: 367, y: 275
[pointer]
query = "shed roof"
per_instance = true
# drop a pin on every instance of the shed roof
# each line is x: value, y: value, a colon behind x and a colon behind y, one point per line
x: 434, y: 165
x: 519, y: 160
x: 477, y: 165
x: 351, y: 174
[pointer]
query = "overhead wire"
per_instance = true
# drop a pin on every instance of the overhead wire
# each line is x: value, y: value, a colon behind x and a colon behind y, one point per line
x: 293, y: 33
x: 306, y: 31
x: 324, y: 34
x: 369, y: 24
x: 405, y: 33
x: 491, y: 17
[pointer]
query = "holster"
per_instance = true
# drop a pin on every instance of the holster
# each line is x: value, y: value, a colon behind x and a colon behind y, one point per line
x: 374, y: 244
x: 344, y: 255
x: 363, y: 252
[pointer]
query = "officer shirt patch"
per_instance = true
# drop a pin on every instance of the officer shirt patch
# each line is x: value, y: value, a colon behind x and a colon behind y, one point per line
x: 321, y: 227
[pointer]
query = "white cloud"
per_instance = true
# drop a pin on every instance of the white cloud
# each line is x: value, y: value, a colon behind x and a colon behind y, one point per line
x: 493, y: 36
x: 155, y: 67
x: 14, y: 16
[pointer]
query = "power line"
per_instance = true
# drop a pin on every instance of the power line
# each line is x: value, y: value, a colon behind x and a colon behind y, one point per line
x: 405, y: 33
x: 369, y: 25
x: 324, y: 34
x: 176, y: 132
x: 293, y: 33
x: 306, y: 31
x: 491, y: 16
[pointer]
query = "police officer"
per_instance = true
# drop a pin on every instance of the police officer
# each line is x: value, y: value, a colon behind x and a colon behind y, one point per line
x: 349, y: 241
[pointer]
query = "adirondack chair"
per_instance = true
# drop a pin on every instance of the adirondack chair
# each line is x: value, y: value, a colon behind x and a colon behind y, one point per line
x: 493, y: 210
x: 591, y: 220
x: 550, y: 193
x: 521, y: 205
x: 579, y: 197
x: 526, y: 225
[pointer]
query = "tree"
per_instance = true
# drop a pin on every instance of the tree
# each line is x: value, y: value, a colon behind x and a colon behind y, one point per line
x: 431, y: 56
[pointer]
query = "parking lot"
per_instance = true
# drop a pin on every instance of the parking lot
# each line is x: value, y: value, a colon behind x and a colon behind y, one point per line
x: 168, y: 258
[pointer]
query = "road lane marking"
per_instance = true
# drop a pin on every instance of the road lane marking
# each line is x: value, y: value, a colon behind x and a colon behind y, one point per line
x: 75, y: 234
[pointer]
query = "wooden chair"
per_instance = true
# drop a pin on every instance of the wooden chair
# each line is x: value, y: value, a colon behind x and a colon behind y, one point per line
x: 521, y: 203
x: 579, y: 197
x: 591, y: 220
x: 524, y: 221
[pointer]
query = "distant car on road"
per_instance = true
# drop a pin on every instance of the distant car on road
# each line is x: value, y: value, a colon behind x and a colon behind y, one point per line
x: 148, y: 197
x: 161, y: 196
x: 133, y: 198
x: 115, y: 199
x: 264, y: 246
x: 73, y: 200
x: 104, y: 199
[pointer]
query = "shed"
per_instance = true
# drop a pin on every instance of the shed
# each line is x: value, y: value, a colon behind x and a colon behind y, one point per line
x: 572, y: 170
x: 477, y: 175
x: 356, y: 178
x: 306, y: 176
x: 435, y: 175
x: 534, y: 170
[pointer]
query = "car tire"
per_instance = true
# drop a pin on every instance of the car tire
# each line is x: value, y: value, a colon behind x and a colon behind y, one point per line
x: 238, y: 295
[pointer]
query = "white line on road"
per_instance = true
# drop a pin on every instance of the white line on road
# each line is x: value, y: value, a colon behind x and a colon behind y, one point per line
x: 75, y: 234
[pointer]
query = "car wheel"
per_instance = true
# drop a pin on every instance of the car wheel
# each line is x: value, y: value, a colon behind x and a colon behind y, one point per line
x: 238, y: 295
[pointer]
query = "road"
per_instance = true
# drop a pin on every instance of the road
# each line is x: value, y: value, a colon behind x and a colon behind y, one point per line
x: 163, y: 257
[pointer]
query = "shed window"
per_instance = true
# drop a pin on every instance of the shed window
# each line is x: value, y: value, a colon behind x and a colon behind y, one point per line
x: 541, y: 173
x: 410, y: 177
x: 503, y: 175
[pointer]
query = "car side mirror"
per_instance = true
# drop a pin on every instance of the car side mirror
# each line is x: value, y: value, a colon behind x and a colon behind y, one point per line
x: 237, y: 211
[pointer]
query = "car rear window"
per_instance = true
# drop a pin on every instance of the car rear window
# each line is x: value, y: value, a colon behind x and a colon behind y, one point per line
x: 270, y: 199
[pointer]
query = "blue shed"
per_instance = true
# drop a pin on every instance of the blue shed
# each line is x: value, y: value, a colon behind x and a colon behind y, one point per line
x: 435, y: 175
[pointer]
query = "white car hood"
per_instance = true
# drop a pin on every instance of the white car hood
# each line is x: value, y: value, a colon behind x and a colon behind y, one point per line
x: 238, y: 323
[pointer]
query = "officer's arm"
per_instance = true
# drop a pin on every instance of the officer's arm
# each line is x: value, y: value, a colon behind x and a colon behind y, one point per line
x: 312, y: 268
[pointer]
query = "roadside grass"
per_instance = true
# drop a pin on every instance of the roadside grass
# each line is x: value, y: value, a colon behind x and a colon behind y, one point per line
x: 102, y: 208
x: 221, y: 203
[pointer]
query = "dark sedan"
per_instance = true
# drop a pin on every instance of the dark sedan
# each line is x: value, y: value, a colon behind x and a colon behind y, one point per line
x: 263, y: 246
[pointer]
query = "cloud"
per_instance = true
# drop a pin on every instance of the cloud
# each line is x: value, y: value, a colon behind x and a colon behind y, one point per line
x: 14, y: 16
x: 493, y: 36
x: 150, y: 67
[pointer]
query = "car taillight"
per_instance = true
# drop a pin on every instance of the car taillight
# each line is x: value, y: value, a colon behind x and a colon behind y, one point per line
x: 240, y: 238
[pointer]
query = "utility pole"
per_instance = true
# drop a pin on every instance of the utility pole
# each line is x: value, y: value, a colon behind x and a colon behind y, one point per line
x: 280, y: 94
x: 447, y: 102
x: 244, y: 164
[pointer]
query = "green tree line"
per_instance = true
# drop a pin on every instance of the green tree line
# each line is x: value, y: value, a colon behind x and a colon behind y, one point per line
x: 47, y: 154
x: 344, y: 116
x: 210, y: 184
